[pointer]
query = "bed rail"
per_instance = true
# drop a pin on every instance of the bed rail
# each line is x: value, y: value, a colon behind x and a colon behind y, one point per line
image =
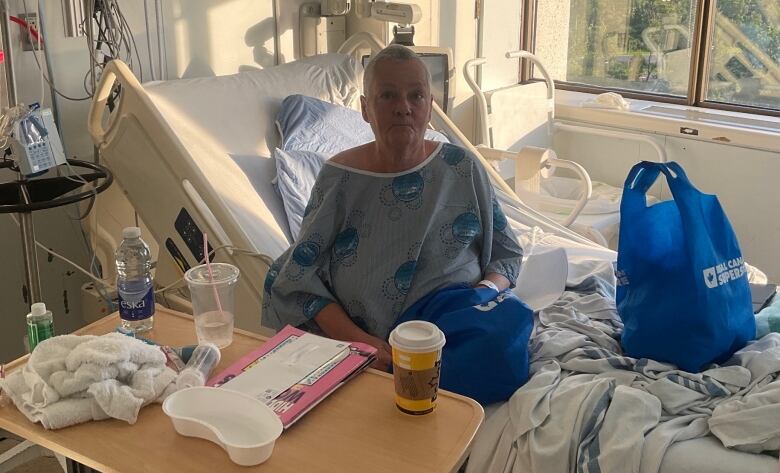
x: 113, y: 72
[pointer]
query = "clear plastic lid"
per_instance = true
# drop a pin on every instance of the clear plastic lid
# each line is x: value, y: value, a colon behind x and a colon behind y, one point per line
x: 223, y: 273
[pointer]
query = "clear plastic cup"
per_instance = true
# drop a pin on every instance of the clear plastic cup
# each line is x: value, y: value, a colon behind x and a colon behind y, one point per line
x: 213, y: 302
x: 417, y: 349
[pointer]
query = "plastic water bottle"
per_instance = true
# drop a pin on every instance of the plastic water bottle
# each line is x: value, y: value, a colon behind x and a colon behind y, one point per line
x: 40, y: 324
x: 134, y: 282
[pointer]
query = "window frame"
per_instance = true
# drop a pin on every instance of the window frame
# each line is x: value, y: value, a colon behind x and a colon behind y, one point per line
x: 698, y: 77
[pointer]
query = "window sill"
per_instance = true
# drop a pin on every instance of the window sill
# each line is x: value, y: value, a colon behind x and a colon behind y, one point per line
x: 702, y: 124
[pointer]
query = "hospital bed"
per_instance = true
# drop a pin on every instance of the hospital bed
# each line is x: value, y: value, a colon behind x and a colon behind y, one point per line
x: 519, y: 120
x: 193, y: 156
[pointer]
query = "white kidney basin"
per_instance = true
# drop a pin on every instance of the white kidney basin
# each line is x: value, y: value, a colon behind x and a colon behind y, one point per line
x: 242, y: 425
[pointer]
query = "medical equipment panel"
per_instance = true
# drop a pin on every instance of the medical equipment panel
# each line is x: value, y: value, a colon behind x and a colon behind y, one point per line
x: 36, y: 144
x: 191, y: 235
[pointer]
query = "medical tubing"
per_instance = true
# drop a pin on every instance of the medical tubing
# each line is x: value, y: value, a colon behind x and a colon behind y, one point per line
x: 211, y: 274
x: 203, y: 360
x: 266, y: 259
x: 5, y: 399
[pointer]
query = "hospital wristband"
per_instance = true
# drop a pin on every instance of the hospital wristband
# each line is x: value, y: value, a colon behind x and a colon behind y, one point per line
x: 489, y: 284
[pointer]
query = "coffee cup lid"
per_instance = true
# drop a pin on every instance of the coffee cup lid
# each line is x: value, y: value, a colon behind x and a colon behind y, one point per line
x: 417, y: 336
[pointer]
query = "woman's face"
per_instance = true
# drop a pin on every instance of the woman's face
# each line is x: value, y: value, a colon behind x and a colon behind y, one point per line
x: 398, y: 106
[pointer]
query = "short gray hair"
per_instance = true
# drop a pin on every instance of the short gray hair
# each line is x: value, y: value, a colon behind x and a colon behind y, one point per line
x: 395, y: 52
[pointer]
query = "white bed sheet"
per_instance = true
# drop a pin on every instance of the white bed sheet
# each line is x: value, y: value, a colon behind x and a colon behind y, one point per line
x: 234, y: 151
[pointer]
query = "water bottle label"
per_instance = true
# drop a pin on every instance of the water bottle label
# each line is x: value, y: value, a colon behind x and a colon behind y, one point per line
x: 137, y: 310
x: 38, y: 332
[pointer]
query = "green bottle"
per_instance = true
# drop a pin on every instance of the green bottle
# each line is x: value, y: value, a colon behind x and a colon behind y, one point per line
x: 40, y: 324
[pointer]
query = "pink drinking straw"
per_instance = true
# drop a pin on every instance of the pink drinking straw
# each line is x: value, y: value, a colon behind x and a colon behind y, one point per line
x: 211, y: 274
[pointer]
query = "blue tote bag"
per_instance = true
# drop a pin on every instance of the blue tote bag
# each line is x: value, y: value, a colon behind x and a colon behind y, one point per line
x: 486, y: 354
x: 682, y: 292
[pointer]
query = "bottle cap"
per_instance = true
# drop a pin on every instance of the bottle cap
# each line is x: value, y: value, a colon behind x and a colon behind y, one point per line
x: 190, y: 377
x: 131, y: 232
x: 38, y: 308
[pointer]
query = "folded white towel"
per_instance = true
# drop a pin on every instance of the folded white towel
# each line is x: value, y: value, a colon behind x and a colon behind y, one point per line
x: 608, y: 100
x: 72, y: 379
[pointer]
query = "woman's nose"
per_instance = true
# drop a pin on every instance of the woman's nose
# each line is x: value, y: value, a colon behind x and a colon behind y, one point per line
x: 402, y: 107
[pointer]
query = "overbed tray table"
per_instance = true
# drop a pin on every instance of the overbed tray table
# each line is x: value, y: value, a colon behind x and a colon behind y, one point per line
x: 357, y: 428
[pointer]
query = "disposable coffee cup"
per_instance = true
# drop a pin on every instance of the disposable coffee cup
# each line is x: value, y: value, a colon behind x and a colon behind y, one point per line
x: 213, y: 302
x: 416, y: 365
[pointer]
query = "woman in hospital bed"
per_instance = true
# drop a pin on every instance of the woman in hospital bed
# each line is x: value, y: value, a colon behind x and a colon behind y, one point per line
x: 390, y: 221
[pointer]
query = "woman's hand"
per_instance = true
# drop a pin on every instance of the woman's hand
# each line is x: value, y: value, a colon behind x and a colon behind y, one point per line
x: 384, y: 354
x: 336, y: 324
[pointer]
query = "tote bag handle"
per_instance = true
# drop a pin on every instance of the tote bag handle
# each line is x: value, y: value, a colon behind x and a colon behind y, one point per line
x: 642, y: 176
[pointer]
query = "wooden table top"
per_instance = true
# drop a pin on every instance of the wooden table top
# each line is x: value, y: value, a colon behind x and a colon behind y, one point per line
x: 357, y: 428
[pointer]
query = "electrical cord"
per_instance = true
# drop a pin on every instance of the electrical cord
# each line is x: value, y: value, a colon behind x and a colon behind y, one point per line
x: 38, y: 63
x: 57, y: 255
x: 162, y: 50
x: 265, y: 258
x: 32, y: 31
x: 148, y: 40
x: 36, y: 51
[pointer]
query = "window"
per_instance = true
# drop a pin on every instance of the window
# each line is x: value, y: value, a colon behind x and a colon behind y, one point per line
x: 716, y: 53
x: 744, y: 63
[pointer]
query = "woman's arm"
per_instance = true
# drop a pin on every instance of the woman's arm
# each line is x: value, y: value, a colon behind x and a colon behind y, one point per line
x: 336, y: 324
x: 501, y: 251
x: 500, y: 281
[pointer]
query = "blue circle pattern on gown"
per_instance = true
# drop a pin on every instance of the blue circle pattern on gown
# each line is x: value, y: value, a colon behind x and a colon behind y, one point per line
x: 306, y: 253
x: 313, y: 305
x: 452, y: 155
x: 346, y: 243
x: 499, y: 219
x: 271, y: 275
x: 408, y: 187
x: 466, y: 227
x: 403, y: 276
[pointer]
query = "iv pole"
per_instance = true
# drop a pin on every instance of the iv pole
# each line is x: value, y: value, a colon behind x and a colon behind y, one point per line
x: 26, y: 221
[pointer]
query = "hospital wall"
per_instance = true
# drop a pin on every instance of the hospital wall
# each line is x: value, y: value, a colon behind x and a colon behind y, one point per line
x: 745, y: 181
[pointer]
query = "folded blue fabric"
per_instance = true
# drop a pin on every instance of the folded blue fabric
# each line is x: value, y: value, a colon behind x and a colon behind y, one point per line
x: 486, y: 354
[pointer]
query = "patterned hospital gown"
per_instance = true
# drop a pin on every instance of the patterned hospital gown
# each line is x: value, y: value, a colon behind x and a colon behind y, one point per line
x: 377, y: 242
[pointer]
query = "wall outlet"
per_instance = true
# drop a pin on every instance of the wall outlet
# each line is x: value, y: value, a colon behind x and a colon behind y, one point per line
x: 28, y: 40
